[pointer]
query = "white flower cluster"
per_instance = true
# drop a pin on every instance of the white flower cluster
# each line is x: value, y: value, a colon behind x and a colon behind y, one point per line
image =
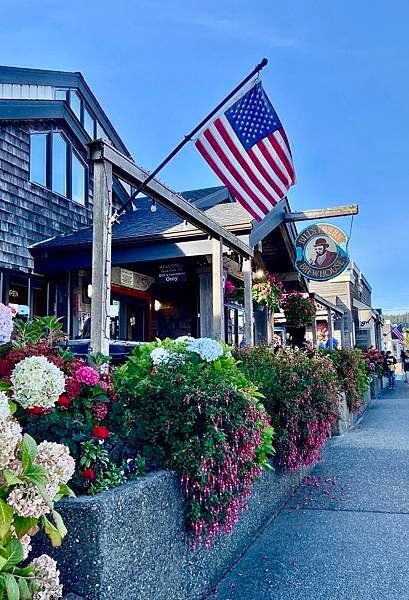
x: 47, y: 577
x: 6, y: 323
x: 162, y: 356
x: 184, y: 338
x: 37, y: 382
x: 209, y: 350
x: 25, y: 542
x: 25, y: 499
x: 10, y: 433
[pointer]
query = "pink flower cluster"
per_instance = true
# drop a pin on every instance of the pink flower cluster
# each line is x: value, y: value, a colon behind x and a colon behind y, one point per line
x: 87, y: 375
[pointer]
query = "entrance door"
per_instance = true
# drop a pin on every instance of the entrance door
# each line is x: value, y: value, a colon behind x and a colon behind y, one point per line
x: 131, y: 317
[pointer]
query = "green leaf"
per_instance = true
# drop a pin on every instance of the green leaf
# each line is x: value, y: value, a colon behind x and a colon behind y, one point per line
x: 25, y: 593
x: 52, y: 532
x: 59, y: 523
x: 36, y: 474
x: 10, y: 478
x: 63, y: 490
x: 6, y: 518
x: 4, y: 386
x: 12, y: 589
x: 28, y: 451
x: 14, y: 553
x: 3, y: 561
x: 44, y: 495
x: 23, y: 524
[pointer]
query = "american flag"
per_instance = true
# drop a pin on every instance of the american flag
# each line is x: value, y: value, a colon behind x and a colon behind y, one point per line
x: 248, y: 149
x: 397, y: 333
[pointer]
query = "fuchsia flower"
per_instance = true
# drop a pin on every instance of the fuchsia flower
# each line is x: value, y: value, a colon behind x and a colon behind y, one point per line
x: 87, y: 375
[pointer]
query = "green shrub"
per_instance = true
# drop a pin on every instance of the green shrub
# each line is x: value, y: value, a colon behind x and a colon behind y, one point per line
x: 353, y: 376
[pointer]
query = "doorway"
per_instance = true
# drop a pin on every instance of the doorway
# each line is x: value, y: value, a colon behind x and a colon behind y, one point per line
x: 131, y: 315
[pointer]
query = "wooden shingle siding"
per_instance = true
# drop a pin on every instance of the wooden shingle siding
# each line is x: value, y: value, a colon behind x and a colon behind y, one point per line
x: 30, y: 213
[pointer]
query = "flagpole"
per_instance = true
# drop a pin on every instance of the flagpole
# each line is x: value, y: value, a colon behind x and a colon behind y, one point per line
x: 187, y: 138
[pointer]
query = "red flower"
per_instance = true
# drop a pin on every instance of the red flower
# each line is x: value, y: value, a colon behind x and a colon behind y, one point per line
x: 5, y: 366
x: 72, y: 387
x: 100, y: 432
x: 63, y: 400
x: 35, y: 410
x: 88, y: 474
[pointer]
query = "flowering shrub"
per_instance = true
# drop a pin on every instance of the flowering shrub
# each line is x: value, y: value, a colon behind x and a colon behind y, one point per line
x: 32, y: 478
x: 37, y: 382
x: 267, y: 290
x: 6, y: 323
x: 298, y: 310
x: 301, y: 396
x: 197, y: 414
x: 352, y: 375
x: 374, y: 361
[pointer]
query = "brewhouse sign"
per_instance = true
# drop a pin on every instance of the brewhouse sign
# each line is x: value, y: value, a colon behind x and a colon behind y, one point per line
x: 321, y: 252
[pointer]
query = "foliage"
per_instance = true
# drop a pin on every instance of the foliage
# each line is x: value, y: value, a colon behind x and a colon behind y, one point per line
x: 352, y: 375
x: 32, y: 479
x: 267, y: 290
x: 195, y: 412
x: 298, y: 310
x: 300, y: 392
x: 374, y: 361
x: 39, y: 329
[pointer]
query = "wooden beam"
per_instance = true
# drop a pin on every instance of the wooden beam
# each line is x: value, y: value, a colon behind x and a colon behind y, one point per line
x: 322, y: 213
x: 217, y: 289
x: 248, y: 303
x: 134, y: 175
x: 101, y: 257
x: 274, y: 218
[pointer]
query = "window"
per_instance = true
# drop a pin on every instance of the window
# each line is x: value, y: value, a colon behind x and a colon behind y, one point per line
x: 75, y: 103
x: 38, y: 158
x: 59, y: 164
x: 61, y: 94
x: 78, y: 180
x: 55, y: 165
x: 101, y: 133
x: 89, y: 123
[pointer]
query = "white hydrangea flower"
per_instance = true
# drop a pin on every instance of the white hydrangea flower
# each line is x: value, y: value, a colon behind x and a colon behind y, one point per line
x: 6, y: 323
x: 160, y: 356
x: 184, y: 338
x: 37, y: 382
x: 10, y: 436
x: 4, y: 406
x: 57, y: 460
x: 26, y: 501
x: 25, y: 542
x: 47, y: 577
x: 209, y: 350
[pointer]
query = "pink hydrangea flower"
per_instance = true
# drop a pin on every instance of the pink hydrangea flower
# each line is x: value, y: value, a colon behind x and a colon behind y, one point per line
x: 87, y: 375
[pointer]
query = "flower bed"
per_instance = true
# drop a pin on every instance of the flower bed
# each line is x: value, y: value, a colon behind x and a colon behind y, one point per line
x: 301, y: 394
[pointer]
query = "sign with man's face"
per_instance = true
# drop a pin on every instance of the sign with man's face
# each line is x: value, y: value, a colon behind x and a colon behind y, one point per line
x: 322, y: 252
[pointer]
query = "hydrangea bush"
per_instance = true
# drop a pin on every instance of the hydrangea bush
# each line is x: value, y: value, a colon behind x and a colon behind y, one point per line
x: 6, y: 323
x: 32, y: 479
x: 301, y: 394
x: 195, y: 412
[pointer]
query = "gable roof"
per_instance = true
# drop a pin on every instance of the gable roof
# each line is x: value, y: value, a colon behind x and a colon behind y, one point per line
x: 65, y: 79
x: 142, y: 224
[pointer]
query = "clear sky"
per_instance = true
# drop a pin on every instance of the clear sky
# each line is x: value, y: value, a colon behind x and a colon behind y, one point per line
x: 337, y: 76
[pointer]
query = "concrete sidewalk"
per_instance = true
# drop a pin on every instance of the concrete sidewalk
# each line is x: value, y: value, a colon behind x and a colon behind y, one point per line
x: 345, y: 534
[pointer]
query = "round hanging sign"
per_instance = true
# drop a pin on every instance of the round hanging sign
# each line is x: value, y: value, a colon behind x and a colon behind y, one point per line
x: 321, y: 252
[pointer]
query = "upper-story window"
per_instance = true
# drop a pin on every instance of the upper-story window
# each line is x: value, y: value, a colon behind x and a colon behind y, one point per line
x: 55, y: 165
x: 89, y: 123
x: 75, y: 103
x: 61, y: 94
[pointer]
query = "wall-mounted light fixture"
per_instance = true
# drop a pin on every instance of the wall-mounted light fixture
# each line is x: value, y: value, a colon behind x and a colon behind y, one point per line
x: 157, y: 305
x: 259, y: 273
x: 89, y: 290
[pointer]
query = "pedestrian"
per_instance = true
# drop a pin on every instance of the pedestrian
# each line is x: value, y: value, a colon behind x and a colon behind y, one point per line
x: 405, y: 365
x: 390, y: 362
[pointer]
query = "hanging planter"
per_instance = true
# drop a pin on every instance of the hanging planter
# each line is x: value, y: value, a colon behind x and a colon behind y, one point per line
x: 267, y: 290
x: 299, y: 311
x: 234, y: 293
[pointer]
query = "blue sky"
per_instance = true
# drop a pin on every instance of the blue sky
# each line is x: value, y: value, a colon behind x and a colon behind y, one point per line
x: 337, y: 76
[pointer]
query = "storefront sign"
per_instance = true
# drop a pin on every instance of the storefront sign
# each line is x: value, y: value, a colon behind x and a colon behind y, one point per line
x: 321, y: 252
x: 131, y: 279
x: 365, y: 319
x: 172, y: 273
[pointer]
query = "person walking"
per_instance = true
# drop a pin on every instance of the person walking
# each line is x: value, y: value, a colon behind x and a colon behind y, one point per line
x: 405, y: 365
x: 390, y: 362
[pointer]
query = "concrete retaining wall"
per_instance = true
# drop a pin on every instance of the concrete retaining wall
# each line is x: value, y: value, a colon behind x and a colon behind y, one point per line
x: 130, y: 542
x: 347, y: 419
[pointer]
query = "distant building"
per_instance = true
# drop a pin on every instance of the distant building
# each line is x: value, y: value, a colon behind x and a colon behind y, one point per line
x: 350, y: 291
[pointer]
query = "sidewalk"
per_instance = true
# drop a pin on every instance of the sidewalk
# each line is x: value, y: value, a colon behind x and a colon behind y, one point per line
x: 345, y: 535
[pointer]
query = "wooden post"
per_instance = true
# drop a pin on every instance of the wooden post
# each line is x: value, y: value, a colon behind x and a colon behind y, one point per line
x: 314, y: 332
x: 330, y: 329
x: 248, y: 303
x: 217, y: 289
x: 101, y: 257
x: 205, y: 303
x: 342, y: 331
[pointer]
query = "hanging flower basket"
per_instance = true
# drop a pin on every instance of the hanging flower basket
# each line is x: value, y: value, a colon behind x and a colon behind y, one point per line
x: 234, y: 293
x: 267, y: 290
x: 299, y: 311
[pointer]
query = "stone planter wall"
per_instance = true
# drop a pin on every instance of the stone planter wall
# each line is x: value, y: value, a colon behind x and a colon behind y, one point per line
x: 347, y: 418
x: 130, y: 543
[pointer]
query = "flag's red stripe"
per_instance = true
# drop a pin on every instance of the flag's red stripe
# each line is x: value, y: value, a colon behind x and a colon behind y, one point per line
x: 252, y: 175
x: 225, y: 180
x: 264, y: 172
x: 269, y: 158
x: 281, y: 154
x: 235, y: 174
x: 287, y: 143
